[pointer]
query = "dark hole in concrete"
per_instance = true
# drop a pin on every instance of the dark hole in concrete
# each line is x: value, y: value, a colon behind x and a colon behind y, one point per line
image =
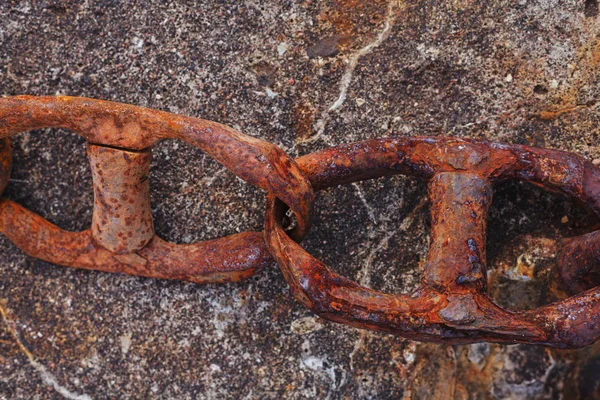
x: 57, y: 9
x: 591, y: 8
x: 265, y: 74
x: 540, y: 89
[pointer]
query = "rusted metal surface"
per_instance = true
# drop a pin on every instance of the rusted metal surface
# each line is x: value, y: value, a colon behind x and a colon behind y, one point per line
x: 463, y: 197
x: 450, y: 305
x: 136, y: 128
x: 122, y: 220
x: 227, y: 259
x: 122, y: 238
x: 579, y: 262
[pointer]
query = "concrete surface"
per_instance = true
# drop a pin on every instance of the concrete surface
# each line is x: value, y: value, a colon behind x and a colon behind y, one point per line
x: 304, y: 75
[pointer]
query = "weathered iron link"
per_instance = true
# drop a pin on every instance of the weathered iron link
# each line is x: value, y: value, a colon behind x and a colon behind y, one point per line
x: 227, y: 259
x: 132, y: 128
x: 449, y: 306
x: 122, y: 236
x: 579, y: 262
x: 122, y: 219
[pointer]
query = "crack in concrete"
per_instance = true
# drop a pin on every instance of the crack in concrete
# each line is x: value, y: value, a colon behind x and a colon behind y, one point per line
x: 45, y: 375
x: 349, y: 73
x: 364, y: 275
x: 363, y: 199
x: 358, y: 344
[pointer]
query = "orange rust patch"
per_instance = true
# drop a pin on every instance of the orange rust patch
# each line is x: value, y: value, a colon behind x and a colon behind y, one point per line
x: 584, y: 73
x: 550, y: 115
x: 349, y: 17
x: 303, y: 121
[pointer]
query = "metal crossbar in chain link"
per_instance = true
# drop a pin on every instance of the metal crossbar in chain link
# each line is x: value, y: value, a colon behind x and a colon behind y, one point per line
x: 450, y: 305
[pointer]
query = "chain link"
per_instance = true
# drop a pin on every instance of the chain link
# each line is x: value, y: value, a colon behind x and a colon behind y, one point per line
x: 450, y: 305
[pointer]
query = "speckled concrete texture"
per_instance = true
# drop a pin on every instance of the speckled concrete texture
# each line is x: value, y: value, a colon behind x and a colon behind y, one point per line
x: 304, y: 75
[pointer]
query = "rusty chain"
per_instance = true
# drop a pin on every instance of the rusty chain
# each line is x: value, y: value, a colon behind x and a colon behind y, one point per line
x: 450, y: 305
